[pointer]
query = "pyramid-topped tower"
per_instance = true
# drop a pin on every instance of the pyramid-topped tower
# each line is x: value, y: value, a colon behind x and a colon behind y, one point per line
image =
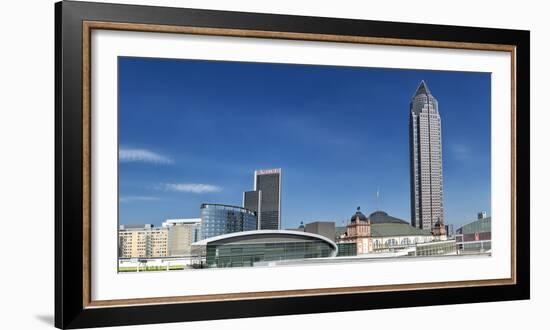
x: 425, y: 159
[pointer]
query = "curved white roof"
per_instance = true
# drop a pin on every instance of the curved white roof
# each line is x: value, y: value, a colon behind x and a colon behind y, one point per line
x: 265, y: 232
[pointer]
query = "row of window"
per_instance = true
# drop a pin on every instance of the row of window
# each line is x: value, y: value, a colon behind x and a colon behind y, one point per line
x: 395, y: 242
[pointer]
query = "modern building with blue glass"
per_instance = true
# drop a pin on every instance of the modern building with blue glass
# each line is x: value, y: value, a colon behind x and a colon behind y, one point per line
x: 219, y: 219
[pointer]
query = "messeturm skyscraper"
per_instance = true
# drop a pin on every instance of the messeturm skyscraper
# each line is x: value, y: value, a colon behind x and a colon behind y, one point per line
x: 425, y: 158
x: 266, y: 198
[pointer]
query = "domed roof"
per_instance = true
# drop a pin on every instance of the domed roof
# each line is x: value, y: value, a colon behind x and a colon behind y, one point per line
x: 383, y: 217
x: 359, y: 215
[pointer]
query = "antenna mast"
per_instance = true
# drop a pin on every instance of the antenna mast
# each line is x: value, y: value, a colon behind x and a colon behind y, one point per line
x: 378, y: 198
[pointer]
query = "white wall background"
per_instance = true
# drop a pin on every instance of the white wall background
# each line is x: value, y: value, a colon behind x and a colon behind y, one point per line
x: 27, y: 162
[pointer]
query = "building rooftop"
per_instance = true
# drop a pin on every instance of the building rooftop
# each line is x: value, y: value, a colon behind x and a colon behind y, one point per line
x: 358, y: 215
x: 340, y: 230
x: 383, y: 217
x: 226, y: 207
x: 169, y: 222
x: 396, y: 229
x: 480, y: 225
x: 271, y: 235
x: 422, y: 89
x: 138, y: 227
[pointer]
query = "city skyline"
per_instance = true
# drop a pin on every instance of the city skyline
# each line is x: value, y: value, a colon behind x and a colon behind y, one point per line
x: 337, y: 128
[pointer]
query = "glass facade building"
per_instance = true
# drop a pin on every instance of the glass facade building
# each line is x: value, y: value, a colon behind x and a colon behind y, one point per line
x: 475, y: 236
x: 261, y: 246
x: 252, y: 200
x: 219, y: 219
x: 347, y: 249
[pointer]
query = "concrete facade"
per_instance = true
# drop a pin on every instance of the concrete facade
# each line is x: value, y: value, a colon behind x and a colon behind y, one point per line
x: 323, y: 228
x: 143, y: 241
x: 181, y: 234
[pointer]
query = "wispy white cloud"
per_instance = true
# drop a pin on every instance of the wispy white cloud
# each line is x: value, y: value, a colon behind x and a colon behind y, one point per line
x: 142, y: 155
x: 128, y: 199
x: 460, y: 152
x: 195, y: 188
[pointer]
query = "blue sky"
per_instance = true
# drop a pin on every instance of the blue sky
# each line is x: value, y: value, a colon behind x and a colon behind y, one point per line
x: 193, y: 131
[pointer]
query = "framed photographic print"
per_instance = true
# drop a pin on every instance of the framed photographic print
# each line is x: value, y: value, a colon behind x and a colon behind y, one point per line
x: 216, y: 164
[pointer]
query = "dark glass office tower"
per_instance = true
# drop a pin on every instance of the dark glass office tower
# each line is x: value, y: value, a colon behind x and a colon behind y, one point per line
x: 266, y: 198
x: 252, y: 200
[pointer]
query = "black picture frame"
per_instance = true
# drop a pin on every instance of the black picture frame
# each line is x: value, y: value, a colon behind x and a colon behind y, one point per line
x: 70, y: 307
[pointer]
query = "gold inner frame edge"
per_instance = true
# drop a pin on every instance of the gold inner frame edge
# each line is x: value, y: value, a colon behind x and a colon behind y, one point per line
x: 88, y: 26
